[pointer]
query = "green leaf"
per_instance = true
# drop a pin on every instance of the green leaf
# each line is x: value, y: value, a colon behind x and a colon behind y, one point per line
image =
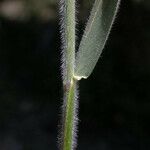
x: 95, y: 36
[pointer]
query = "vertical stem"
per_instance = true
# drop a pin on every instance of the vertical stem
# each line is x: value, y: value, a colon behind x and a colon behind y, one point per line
x: 70, y: 38
x: 70, y: 118
x: 69, y: 83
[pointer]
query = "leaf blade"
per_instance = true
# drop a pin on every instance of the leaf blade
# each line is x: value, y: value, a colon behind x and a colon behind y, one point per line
x: 95, y: 36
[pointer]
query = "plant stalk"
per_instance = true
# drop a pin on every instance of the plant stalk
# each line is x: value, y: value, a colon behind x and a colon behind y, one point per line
x: 69, y: 83
x: 70, y: 117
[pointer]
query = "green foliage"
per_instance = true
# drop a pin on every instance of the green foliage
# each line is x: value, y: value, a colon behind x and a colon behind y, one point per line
x: 95, y: 36
x: 91, y: 46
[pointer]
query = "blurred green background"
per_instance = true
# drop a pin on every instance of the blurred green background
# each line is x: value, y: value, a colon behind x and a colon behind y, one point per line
x: 114, y: 102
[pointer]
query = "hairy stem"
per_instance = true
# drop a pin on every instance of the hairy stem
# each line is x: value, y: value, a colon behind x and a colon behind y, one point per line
x: 70, y: 118
x: 69, y: 83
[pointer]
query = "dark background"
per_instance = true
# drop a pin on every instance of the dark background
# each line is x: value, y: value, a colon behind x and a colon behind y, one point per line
x: 114, y: 111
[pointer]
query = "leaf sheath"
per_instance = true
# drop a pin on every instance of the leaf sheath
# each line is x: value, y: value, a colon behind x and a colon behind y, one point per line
x: 69, y: 111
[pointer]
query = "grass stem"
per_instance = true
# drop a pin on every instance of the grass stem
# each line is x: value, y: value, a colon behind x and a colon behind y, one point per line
x: 69, y: 83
